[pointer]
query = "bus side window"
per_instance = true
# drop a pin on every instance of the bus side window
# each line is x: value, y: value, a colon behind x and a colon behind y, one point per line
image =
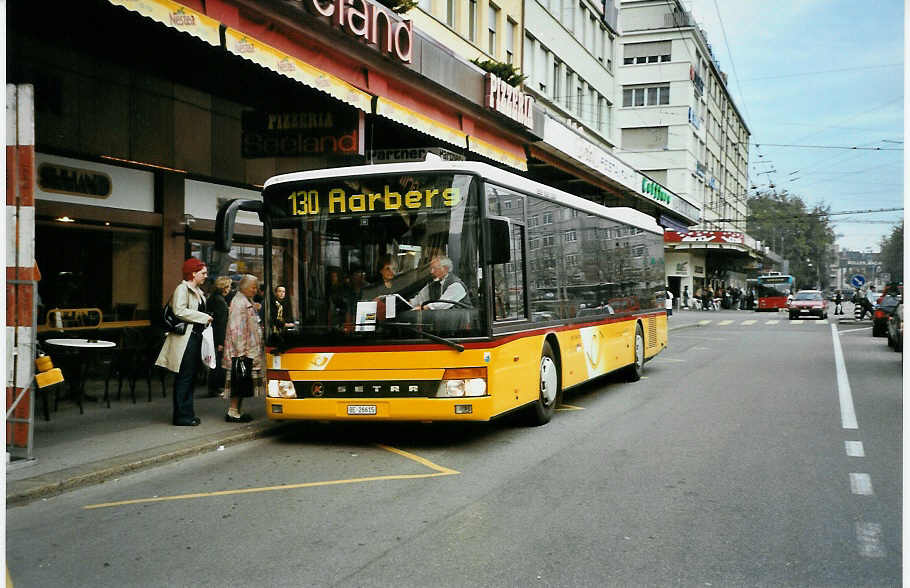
x: 508, y: 280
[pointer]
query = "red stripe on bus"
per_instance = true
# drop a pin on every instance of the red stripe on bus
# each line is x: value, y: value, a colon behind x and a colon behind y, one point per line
x: 495, y: 342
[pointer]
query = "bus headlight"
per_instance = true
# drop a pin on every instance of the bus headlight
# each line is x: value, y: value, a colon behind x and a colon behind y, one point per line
x: 282, y: 389
x: 462, y: 382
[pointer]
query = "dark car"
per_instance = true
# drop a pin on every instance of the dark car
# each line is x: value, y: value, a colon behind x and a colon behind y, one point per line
x: 896, y: 328
x: 810, y: 302
x: 881, y: 313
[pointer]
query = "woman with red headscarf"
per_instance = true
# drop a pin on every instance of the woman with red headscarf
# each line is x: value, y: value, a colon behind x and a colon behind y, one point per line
x: 183, y: 353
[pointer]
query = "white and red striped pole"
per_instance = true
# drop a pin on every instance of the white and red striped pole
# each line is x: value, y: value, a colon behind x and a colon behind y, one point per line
x: 21, y: 270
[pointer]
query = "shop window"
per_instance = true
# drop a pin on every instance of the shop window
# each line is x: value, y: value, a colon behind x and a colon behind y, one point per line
x: 109, y: 268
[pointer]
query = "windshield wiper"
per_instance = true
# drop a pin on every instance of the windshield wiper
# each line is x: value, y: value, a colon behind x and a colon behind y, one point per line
x: 410, y: 328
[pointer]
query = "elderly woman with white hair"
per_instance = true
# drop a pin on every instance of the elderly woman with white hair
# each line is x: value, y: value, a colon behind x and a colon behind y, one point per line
x: 243, y: 339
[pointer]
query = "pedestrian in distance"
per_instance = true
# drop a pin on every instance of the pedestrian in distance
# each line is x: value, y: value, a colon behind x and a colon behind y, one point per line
x: 668, y: 302
x: 182, y: 353
x: 242, y: 339
x: 219, y: 309
x: 838, y: 302
x: 685, y: 297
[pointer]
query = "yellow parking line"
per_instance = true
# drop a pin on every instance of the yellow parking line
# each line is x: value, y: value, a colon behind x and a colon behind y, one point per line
x: 569, y: 407
x: 440, y: 471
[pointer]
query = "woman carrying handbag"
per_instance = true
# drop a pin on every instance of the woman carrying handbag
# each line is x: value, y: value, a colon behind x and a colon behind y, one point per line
x: 242, y: 349
x: 182, y: 350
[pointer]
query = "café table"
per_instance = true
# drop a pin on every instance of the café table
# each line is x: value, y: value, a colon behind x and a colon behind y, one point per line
x: 77, y: 355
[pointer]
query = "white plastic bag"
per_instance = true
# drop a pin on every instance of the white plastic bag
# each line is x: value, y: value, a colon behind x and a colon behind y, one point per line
x: 208, y: 348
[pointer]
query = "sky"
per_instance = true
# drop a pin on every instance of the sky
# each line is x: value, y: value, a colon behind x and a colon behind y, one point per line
x: 823, y: 73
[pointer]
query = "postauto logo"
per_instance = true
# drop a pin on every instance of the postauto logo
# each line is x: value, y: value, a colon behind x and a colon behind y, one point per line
x: 655, y: 190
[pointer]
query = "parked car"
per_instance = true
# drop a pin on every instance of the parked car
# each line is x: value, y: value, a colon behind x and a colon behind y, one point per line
x: 881, y: 313
x: 896, y: 328
x: 808, y: 302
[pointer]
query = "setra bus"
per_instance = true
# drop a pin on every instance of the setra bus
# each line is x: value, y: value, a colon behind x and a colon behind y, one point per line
x: 772, y: 291
x: 536, y: 290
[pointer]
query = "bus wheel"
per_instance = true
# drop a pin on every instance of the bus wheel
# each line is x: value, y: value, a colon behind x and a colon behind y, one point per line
x: 549, y: 393
x: 634, y: 371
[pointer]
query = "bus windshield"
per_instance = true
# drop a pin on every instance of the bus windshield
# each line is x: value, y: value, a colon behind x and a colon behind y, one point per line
x: 375, y: 258
x: 774, y: 287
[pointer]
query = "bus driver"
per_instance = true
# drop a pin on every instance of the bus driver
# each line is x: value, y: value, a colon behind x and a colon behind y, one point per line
x: 445, y: 286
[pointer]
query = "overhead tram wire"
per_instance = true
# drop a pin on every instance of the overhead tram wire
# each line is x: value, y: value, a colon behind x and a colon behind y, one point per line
x: 783, y: 217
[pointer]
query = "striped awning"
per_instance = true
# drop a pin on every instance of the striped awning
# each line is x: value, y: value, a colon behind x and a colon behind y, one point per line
x: 411, y: 118
x: 488, y: 150
x: 176, y: 16
x: 278, y: 61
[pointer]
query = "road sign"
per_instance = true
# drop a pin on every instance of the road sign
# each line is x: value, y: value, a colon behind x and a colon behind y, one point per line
x: 858, y: 280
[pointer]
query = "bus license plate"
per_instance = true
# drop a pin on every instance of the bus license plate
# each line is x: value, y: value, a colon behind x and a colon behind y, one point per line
x: 361, y: 409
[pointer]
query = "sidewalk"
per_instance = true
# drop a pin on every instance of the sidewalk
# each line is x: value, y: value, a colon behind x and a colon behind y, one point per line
x: 73, y: 450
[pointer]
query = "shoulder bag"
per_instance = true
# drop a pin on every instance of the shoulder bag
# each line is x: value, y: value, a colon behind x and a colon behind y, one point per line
x: 242, y: 377
x: 171, y: 323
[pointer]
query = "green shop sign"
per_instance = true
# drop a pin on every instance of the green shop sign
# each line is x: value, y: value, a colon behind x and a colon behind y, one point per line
x: 655, y: 190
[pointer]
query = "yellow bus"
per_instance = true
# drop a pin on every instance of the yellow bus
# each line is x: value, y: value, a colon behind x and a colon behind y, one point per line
x: 447, y: 291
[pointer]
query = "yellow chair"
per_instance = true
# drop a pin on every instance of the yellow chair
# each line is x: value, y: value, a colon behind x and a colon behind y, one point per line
x: 48, y: 379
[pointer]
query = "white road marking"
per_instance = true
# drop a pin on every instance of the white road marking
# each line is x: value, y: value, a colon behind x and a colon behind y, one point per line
x: 861, y: 484
x: 855, y: 330
x: 796, y: 322
x: 703, y: 323
x: 701, y: 348
x: 823, y: 322
x: 855, y: 448
x: 750, y: 322
x: 772, y: 322
x: 868, y: 535
x: 724, y: 323
x: 844, y: 394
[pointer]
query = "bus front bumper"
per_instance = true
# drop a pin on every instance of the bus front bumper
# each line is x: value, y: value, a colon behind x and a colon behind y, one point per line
x: 478, y: 408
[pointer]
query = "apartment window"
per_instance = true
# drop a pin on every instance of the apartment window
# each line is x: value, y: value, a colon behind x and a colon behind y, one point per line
x: 557, y: 79
x: 648, y: 95
x: 426, y: 5
x: 548, y: 218
x: 543, y: 56
x: 567, y: 97
x: 571, y: 236
x: 533, y: 221
x: 494, y: 17
x: 548, y: 240
x: 450, y: 13
x: 528, y: 64
x: 572, y: 260
x: 472, y: 21
x: 580, y: 99
x: 654, y: 52
x: 511, y: 27
x: 601, y: 103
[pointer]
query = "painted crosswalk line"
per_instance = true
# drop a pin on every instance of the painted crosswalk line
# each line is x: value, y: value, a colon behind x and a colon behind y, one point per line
x: 797, y: 322
x: 725, y: 323
x: 750, y: 322
x: 774, y: 322
x: 704, y: 323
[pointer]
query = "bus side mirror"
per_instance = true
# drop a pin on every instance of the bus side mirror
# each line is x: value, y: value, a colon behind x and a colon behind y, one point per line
x: 499, y: 250
x: 224, y: 222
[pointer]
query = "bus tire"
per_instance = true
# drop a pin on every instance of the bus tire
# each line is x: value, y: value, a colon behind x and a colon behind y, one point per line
x: 637, y: 368
x: 549, y: 389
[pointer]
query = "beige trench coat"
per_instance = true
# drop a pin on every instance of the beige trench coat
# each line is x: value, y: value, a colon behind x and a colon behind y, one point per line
x: 185, y: 303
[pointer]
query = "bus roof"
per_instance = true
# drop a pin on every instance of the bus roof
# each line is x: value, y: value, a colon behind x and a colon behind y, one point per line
x: 623, y: 214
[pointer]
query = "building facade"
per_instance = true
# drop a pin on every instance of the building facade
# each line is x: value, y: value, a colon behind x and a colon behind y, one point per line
x: 677, y: 122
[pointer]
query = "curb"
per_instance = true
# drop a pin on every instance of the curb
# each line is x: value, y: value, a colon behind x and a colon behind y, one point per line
x: 21, y: 492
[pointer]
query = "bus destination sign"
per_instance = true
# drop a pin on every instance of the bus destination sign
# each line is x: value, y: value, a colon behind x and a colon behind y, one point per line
x: 341, y: 201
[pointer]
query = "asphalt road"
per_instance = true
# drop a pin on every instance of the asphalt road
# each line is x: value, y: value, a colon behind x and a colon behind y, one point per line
x: 728, y: 465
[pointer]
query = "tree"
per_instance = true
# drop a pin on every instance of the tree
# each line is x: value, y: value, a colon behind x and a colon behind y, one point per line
x: 399, y: 6
x: 504, y: 71
x: 892, y: 253
x: 801, y: 236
